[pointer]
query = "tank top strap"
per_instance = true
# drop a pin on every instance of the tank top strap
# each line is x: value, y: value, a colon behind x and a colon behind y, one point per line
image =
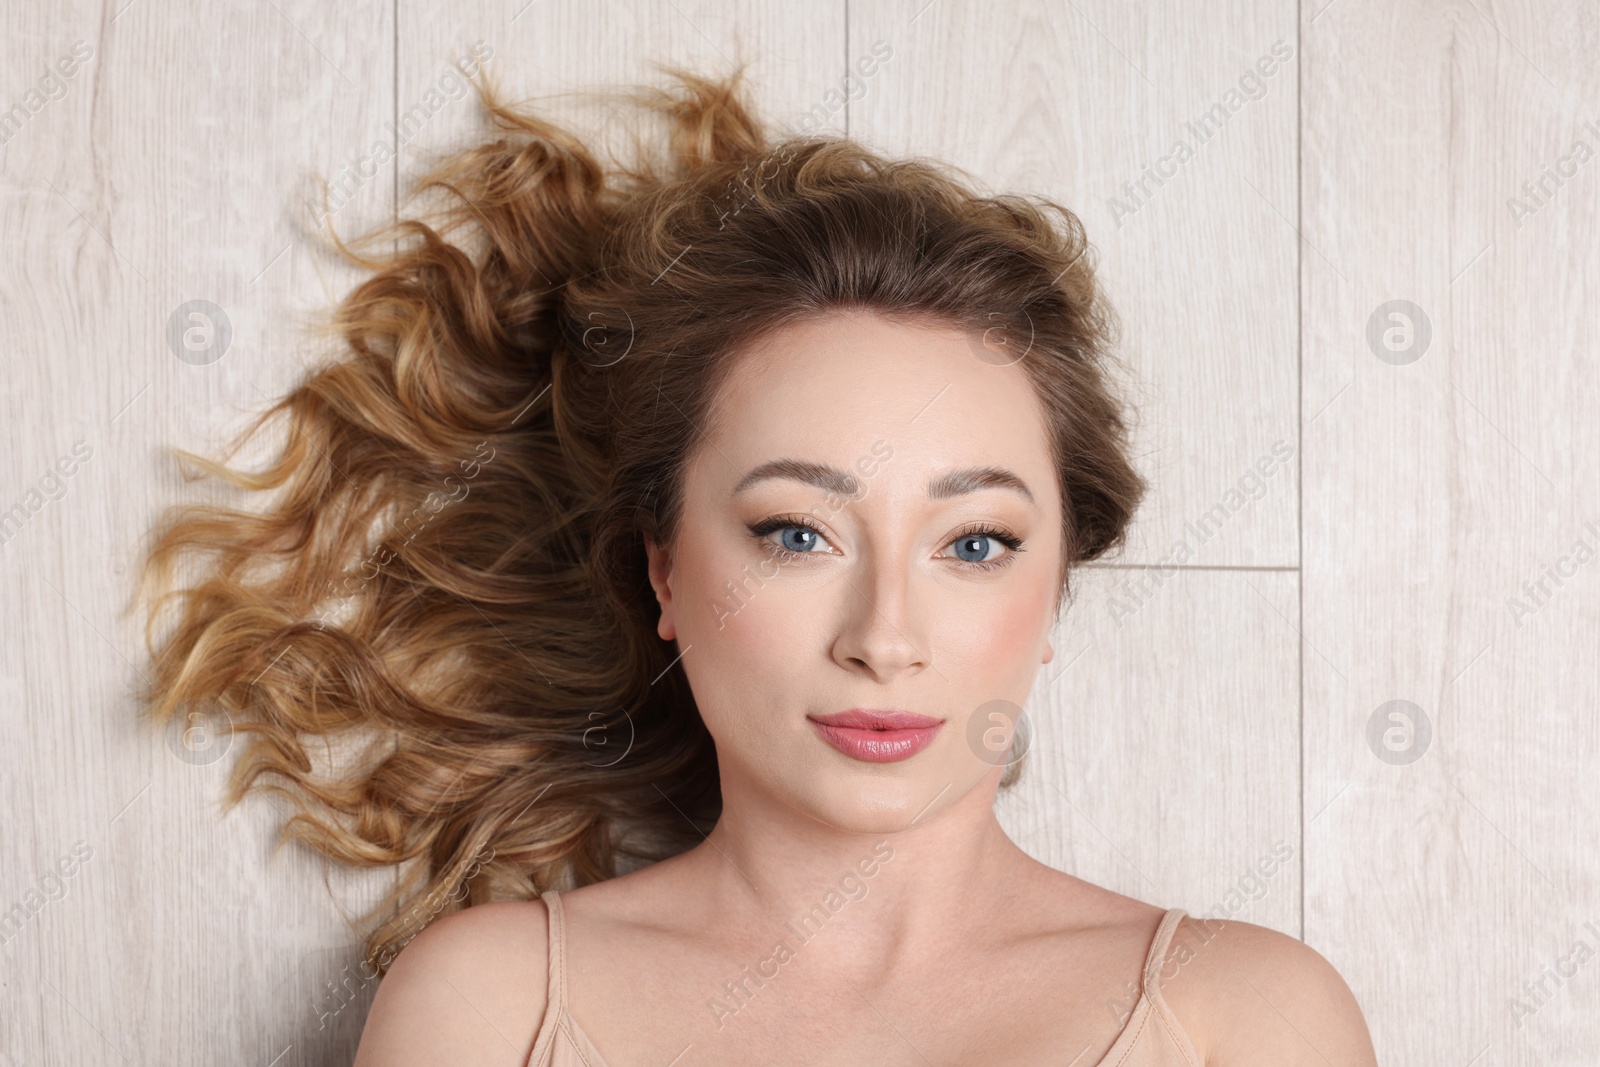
x: 554, y: 1024
x: 1151, y: 976
x: 557, y: 995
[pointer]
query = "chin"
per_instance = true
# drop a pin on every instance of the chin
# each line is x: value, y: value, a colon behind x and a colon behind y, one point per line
x: 865, y: 805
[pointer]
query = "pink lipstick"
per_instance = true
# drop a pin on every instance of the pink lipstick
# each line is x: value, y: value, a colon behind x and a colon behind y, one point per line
x: 877, y: 736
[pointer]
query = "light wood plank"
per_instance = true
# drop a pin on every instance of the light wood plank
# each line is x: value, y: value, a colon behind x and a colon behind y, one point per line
x: 1433, y: 489
x: 172, y: 169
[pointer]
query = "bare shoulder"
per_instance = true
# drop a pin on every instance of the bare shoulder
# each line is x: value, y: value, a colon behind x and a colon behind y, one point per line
x: 469, y: 989
x: 1250, y: 995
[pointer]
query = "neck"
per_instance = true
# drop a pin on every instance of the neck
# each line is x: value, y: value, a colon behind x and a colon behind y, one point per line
x: 880, y: 900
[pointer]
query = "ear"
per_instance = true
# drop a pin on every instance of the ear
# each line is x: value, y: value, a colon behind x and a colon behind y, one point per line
x: 661, y: 582
x: 1049, y: 652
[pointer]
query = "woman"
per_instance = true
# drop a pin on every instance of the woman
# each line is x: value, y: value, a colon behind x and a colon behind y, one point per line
x: 725, y: 508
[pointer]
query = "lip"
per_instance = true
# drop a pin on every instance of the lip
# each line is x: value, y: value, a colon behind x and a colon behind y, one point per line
x: 877, y: 736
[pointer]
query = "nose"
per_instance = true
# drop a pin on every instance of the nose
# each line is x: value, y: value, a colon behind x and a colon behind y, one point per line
x: 884, y: 633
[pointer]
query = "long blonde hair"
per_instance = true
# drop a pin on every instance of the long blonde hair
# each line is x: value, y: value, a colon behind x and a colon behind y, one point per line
x: 450, y: 572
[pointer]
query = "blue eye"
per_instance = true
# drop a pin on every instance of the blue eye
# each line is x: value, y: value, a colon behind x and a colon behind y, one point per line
x: 800, y: 538
x: 978, y: 544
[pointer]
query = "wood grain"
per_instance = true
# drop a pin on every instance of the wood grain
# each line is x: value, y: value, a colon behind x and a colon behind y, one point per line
x: 1433, y: 490
x: 1333, y: 525
x: 172, y: 169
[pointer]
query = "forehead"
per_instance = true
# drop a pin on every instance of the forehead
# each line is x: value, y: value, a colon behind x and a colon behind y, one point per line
x: 829, y: 388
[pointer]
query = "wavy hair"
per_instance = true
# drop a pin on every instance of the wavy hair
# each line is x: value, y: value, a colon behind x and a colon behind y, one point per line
x: 448, y: 577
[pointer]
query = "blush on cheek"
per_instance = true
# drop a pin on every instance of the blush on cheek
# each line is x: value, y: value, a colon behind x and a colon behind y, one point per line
x: 752, y: 620
x: 727, y: 607
x: 730, y: 602
x: 731, y: 627
x: 1013, y: 631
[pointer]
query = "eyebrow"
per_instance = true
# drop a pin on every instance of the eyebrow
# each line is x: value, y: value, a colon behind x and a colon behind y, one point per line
x: 824, y: 476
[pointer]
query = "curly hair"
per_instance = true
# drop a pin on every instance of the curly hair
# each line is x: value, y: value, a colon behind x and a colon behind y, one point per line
x: 449, y: 579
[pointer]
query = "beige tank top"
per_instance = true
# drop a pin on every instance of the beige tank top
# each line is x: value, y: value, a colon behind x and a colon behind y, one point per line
x: 1152, y: 1036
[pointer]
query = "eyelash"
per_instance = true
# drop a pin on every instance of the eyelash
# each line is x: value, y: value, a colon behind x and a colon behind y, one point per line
x: 783, y: 522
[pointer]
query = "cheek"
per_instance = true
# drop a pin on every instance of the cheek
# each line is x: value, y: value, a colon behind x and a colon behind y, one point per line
x: 1008, y: 633
x: 734, y: 610
x: 1034, y: 610
x: 738, y: 625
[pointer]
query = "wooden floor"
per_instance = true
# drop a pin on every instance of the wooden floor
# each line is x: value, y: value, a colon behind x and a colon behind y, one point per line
x: 1343, y: 683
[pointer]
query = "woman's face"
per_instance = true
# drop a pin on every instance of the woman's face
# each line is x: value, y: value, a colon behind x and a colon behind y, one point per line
x: 901, y: 600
